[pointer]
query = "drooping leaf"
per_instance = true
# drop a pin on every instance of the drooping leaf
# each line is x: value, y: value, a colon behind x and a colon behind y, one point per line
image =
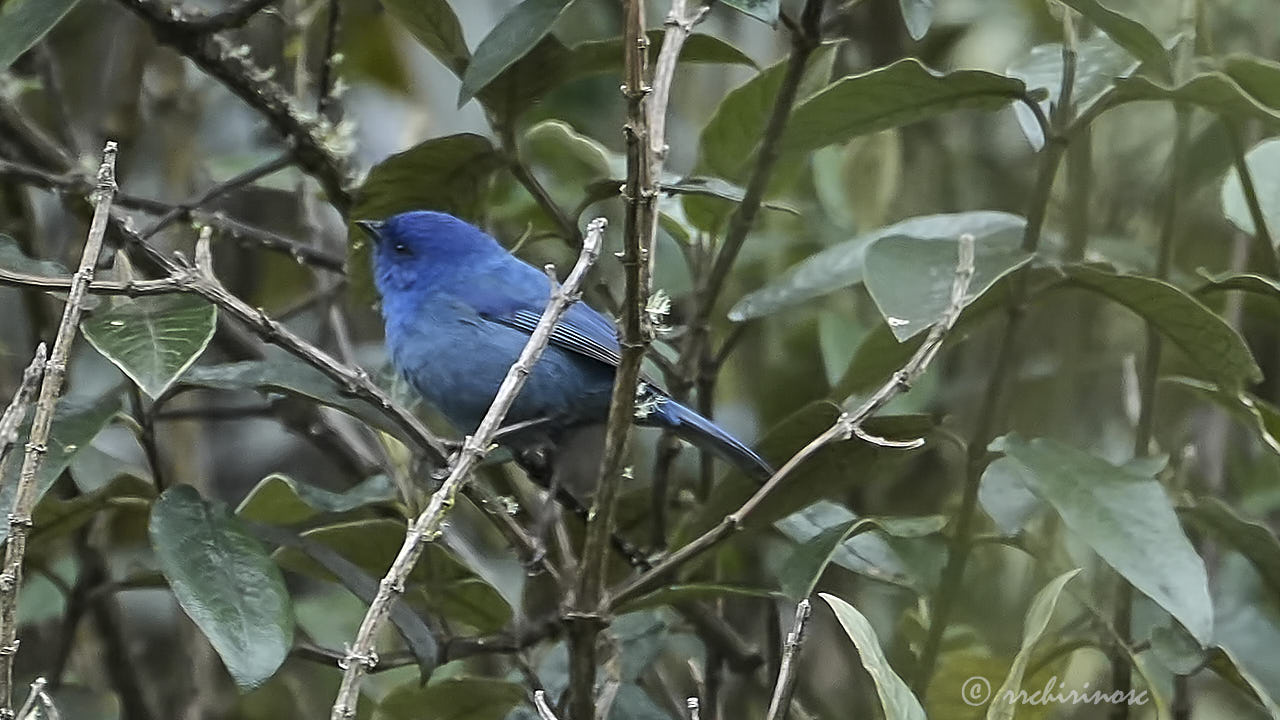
x: 899, y: 94
x: 911, y: 278
x: 76, y: 421
x: 896, y: 699
x: 413, y: 629
x: 515, y: 35
x: 1099, y: 61
x: 433, y: 24
x: 452, y: 698
x: 1213, y: 91
x: 1253, y: 540
x: 801, y: 572
x: 1209, y: 341
x: 763, y: 10
x: 841, y: 266
x: 1128, y: 33
x: 1259, y: 77
x: 1003, y: 704
x: 1246, y: 282
x: 225, y: 581
x: 282, y: 500
x: 918, y: 15
x: 152, y: 340
x: 1126, y: 518
x: 450, y: 174
x: 1263, y: 162
x: 1225, y: 663
x: 24, y: 22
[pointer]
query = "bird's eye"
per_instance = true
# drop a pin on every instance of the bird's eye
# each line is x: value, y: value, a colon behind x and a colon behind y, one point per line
x: 401, y: 249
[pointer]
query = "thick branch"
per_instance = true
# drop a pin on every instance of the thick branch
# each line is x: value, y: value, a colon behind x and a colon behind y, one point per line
x: 426, y: 528
x: 24, y: 496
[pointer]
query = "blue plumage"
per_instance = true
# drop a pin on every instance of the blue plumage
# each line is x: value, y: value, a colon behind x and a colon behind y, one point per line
x: 458, y: 310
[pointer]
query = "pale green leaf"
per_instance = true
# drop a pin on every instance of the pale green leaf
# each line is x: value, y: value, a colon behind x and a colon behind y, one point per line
x: 24, y: 22
x: 1003, y: 704
x: 152, y: 340
x: 896, y: 699
x: 1263, y: 162
x: 515, y: 35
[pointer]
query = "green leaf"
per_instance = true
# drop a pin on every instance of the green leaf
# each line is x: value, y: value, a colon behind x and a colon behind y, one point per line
x: 827, y: 473
x: 1263, y: 162
x: 450, y: 174
x: 683, y: 593
x: 1258, y: 76
x: 453, y: 698
x: 24, y: 22
x: 899, y: 94
x: 918, y: 15
x: 729, y: 138
x: 1003, y: 705
x: 1129, y: 34
x: 841, y: 265
x: 433, y: 24
x: 1006, y: 498
x: 1253, y: 540
x: 1213, y: 91
x: 1246, y: 282
x: 515, y: 35
x: 1209, y: 341
x: 1259, y: 416
x: 763, y: 10
x: 76, y: 421
x: 56, y: 517
x: 281, y: 500
x: 152, y: 340
x: 1225, y: 663
x: 910, y: 278
x: 225, y: 581
x: 801, y: 572
x: 1126, y: 518
x: 896, y: 699
x: 1099, y: 61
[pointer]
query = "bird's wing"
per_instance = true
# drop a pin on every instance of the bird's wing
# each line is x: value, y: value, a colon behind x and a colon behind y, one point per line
x: 515, y: 294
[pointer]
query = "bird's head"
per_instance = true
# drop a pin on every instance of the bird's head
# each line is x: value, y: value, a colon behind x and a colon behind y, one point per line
x: 415, y: 250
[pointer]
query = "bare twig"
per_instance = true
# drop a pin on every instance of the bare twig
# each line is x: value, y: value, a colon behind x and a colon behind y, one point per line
x: 328, y: 88
x: 24, y: 496
x: 184, y: 209
x: 693, y: 706
x: 786, y: 684
x: 361, y: 656
x: 847, y: 426
x: 540, y: 702
x: 17, y: 410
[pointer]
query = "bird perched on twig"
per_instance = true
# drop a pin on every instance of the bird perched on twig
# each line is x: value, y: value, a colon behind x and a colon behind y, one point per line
x: 459, y: 309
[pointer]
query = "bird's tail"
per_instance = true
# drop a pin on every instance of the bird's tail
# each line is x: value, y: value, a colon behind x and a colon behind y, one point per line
x: 657, y: 410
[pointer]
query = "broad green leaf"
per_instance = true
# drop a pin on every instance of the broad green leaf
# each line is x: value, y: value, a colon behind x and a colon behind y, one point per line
x: 801, y: 572
x: 515, y: 35
x: 918, y: 15
x: 281, y: 500
x: 1099, y: 61
x: 433, y: 24
x: 76, y: 421
x: 1263, y: 161
x: 453, y: 698
x: 1253, y: 540
x: 1225, y: 663
x: 1259, y: 416
x: 827, y: 473
x: 762, y: 10
x: 225, y: 581
x: 12, y: 258
x: 1003, y: 705
x: 858, y: 183
x: 1245, y: 282
x: 152, y: 340
x: 841, y: 266
x: 1209, y: 341
x: 896, y: 699
x: 899, y: 94
x: 24, y: 22
x: 731, y: 135
x: 413, y: 629
x: 1129, y: 34
x: 450, y: 174
x: 1126, y: 518
x: 682, y: 593
x: 1006, y: 497
x: 1213, y: 91
x: 911, y: 278
x: 1258, y: 76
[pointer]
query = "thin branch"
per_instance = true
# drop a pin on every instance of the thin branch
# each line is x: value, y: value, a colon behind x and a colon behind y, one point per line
x: 1261, y: 232
x: 17, y: 410
x: 313, y: 139
x: 785, y: 687
x: 184, y: 209
x: 426, y: 528
x: 24, y: 497
x: 229, y: 19
x: 540, y: 703
x: 328, y: 87
x: 847, y: 426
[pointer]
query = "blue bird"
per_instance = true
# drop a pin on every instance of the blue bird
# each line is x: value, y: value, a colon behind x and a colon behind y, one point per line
x: 458, y: 310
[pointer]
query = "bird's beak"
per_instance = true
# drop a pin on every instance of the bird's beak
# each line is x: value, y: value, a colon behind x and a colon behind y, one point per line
x: 372, y: 228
